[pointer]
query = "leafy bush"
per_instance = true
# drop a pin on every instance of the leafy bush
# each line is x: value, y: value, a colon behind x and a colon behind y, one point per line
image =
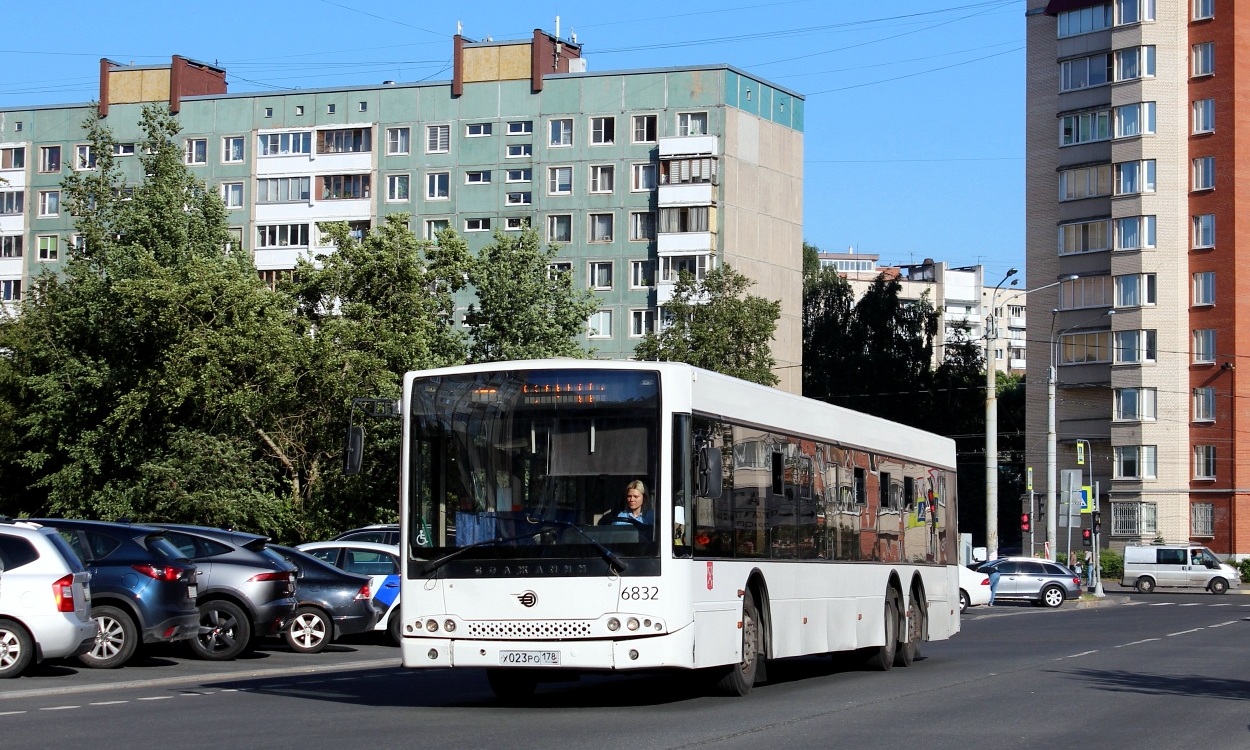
x: 1244, y: 567
x: 1112, y: 563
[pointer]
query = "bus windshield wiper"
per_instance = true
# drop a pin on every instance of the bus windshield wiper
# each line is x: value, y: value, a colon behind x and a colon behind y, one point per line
x: 614, y: 562
x: 608, y: 555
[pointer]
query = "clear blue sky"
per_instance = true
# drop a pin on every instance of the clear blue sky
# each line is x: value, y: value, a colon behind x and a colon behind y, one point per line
x: 914, y: 143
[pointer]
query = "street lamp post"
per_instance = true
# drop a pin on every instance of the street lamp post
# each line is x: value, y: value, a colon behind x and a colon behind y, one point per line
x: 991, y: 427
x: 1052, y: 464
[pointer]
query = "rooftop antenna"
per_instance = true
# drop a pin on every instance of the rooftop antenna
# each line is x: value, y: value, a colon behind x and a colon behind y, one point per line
x: 572, y: 36
x: 459, y: 27
x: 557, y: 27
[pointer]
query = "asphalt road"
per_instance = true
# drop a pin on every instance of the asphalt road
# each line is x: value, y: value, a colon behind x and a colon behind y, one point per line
x: 1160, y: 671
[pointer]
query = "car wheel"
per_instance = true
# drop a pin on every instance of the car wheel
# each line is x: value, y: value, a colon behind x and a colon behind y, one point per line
x: 392, y: 627
x: 16, y: 649
x: 224, y: 631
x: 882, y: 657
x: 740, y: 678
x: 1052, y: 596
x: 309, y: 631
x: 1218, y: 586
x: 115, y: 642
x: 1145, y: 585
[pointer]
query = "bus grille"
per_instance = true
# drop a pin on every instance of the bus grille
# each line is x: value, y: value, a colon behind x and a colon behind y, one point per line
x: 488, y: 629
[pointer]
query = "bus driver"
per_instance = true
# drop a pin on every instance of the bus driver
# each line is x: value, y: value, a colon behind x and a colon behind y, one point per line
x: 637, y: 509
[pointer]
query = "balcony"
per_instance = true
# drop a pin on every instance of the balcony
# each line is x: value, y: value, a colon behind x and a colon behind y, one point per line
x: 687, y: 194
x: 690, y: 145
x: 685, y: 243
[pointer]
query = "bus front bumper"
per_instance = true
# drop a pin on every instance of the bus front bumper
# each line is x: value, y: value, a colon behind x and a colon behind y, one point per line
x: 651, y: 652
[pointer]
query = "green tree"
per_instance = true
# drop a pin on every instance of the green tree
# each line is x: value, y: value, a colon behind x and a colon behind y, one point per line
x: 716, y: 325
x: 811, y: 261
x: 524, y: 309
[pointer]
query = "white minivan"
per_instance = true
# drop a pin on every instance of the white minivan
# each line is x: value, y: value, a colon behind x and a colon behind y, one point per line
x: 1188, y: 565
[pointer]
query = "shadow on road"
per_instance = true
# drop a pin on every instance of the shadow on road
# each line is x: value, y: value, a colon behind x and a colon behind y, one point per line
x: 1196, y: 686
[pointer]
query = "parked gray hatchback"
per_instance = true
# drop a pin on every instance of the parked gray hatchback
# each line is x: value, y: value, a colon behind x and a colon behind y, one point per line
x: 1034, y: 580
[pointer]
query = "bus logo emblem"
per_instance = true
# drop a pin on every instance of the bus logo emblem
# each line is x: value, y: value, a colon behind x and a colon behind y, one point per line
x: 527, y: 599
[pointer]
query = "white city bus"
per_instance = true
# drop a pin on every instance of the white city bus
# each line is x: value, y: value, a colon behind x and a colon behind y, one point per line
x: 778, y: 526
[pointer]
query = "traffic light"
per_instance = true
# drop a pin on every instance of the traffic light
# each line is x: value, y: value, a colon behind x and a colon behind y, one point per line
x: 1087, y: 537
x: 1096, y: 521
x: 1025, y: 522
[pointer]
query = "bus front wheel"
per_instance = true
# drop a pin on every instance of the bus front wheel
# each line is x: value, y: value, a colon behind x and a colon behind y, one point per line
x: 741, y: 677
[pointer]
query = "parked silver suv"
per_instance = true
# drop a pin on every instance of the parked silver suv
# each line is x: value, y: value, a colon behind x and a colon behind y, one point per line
x: 45, y: 602
x: 1032, y: 579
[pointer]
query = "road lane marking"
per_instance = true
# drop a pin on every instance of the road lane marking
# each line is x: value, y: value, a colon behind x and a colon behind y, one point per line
x: 155, y: 698
x: 1134, y: 643
x: 1222, y: 624
x: 1189, y: 605
x: 1220, y: 605
x: 1162, y: 604
x: 11, y: 713
x: 1083, y: 653
x: 58, y: 708
x: 108, y: 703
x: 1184, y: 632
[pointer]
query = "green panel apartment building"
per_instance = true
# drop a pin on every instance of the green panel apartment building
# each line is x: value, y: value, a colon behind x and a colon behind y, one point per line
x: 634, y: 174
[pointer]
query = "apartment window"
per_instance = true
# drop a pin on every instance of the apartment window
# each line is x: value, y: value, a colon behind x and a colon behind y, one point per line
x: 49, y: 158
x: 519, y: 150
x: 438, y: 186
x: 434, y: 226
x: 13, y: 157
x: 1134, y: 519
x: 283, y: 190
x: 561, y: 132
x: 602, y: 131
x: 269, y: 112
x: 284, y: 144
x: 1204, y: 9
x: 12, y: 202
x: 684, y: 219
x: 49, y: 202
x: 520, y: 127
x: 437, y: 139
x: 397, y: 187
x: 197, y: 151
x: 641, y: 274
x: 1204, y: 346
x: 600, y: 275
x: 1135, y: 233
x: 1083, y: 237
x: 346, y: 141
x: 344, y: 187
x: 1203, y: 56
x: 1084, y: 72
x: 1085, y: 348
x: 1136, y: 404
x: 1204, y: 462
x: 643, y: 177
x: 560, y: 228
x: 362, y: 107
x: 515, y: 223
x: 477, y: 130
x: 1134, y: 177
x: 1204, y: 404
x: 11, y: 290
x: 282, y: 235
x: 641, y: 226
x: 1201, y: 519
x: 641, y: 322
x: 11, y: 246
x: 232, y: 149
x: 1085, y: 20
x: 520, y: 198
x: 477, y: 225
x: 559, y: 180
x: 1204, y: 173
x: 645, y: 128
x: 601, y: 178
x: 477, y: 177
x: 600, y: 324
x: 1136, y: 290
x: 1204, y: 116
x: 1135, y: 461
x: 519, y: 175
x: 1204, y: 230
x: 1085, y: 182
x: 692, y: 123
x: 601, y: 227
x: 84, y: 157
x: 398, y: 141
x: 330, y: 108
x: 560, y: 268
x: 232, y: 194
x: 49, y: 247
x: 1134, y: 63
x: 1135, y: 119
x: 672, y: 266
x: 1086, y: 127
x: 1204, y: 288
x: 1087, y: 291
x: 1134, y: 11
x: 299, y: 111
x: 687, y: 170
x: 1135, y: 347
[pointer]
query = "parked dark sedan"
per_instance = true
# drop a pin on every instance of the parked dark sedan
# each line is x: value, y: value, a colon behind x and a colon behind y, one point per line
x: 143, y: 589
x: 332, y: 602
x: 245, y: 589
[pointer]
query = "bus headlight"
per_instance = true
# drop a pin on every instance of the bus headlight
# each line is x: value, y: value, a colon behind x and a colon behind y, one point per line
x: 431, y: 625
x: 449, y: 626
x: 631, y: 623
x: 614, y: 624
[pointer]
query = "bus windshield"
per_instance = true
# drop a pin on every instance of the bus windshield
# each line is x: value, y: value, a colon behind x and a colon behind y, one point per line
x: 532, y: 465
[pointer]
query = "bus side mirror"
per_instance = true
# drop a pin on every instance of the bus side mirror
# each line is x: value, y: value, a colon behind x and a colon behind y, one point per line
x: 709, y: 472
x: 354, y: 450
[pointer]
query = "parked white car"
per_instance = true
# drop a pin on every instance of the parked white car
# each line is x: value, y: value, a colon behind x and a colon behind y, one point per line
x: 378, y: 561
x: 45, y: 599
x: 974, y: 588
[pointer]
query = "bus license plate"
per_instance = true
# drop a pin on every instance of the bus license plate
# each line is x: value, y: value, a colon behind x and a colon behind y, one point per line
x: 530, y: 658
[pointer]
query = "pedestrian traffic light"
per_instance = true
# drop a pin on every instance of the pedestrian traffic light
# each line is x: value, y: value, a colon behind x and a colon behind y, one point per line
x: 1087, y: 537
x: 1096, y: 521
x: 1025, y: 522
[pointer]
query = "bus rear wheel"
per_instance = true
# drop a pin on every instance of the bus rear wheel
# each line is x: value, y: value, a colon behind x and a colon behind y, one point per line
x: 908, y: 650
x: 741, y: 677
x: 881, y: 658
